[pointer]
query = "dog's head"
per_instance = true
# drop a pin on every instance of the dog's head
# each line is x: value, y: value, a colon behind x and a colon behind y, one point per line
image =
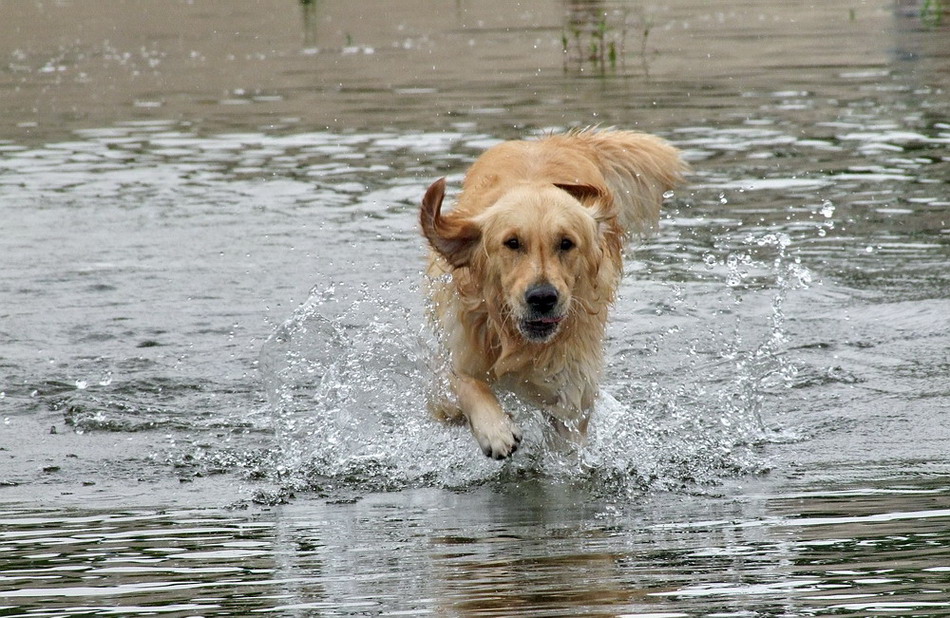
x: 536, y: 252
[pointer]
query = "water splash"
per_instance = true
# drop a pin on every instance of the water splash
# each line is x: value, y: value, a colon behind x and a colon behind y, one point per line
x: 348, y: 375
x: 346, y: 384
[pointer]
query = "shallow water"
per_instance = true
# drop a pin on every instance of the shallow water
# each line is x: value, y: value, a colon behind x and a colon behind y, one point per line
x: 214, y: 363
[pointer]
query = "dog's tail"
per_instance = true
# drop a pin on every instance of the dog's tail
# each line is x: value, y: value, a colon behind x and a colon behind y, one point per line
x: 638, y: 168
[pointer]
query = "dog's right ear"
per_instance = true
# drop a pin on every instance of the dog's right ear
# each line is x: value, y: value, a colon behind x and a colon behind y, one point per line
x: 451, y: 237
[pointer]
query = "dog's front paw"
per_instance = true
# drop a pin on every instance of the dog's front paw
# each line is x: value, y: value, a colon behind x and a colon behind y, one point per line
x: 498, y: 439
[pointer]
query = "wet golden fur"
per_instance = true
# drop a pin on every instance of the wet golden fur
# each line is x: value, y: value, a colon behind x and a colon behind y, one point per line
x: 546, y: 216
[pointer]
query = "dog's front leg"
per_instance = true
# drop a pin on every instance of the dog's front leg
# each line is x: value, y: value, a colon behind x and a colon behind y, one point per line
x: 496, y: 433
x: 571, y: 414
x: 574, y: 431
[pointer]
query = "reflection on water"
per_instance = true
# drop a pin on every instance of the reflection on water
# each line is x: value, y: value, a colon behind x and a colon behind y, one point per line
x: 527, y: 548
x: 199, y: 198
x: 601, y: 37
x: 309, y: 10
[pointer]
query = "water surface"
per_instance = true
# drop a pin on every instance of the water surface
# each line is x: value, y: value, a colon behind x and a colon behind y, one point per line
x: 214, y: 362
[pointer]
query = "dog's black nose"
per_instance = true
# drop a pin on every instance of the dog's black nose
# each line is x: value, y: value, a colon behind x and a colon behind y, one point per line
x: 541, y: 298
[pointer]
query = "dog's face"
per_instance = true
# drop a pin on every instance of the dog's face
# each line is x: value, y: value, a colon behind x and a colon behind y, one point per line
x: 534, y: 251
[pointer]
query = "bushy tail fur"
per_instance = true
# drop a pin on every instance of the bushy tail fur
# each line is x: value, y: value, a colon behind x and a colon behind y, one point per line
x: 638, y: 169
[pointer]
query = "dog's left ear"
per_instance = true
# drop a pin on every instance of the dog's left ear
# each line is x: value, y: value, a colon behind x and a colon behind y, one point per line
x: 585, y: 194
x: 454, y: 238
x: 598, y: 202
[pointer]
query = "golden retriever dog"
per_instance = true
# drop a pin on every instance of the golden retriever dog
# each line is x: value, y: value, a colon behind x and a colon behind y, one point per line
x: 524, y: 268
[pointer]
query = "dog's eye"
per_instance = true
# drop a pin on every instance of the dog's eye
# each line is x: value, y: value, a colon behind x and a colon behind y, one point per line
x: 513, y: 243
x: 566, y: 244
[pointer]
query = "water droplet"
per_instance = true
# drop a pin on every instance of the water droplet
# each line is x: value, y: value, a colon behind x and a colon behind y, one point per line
x: 668, y: 195
x: 827, y: 209
x: 82, y: 385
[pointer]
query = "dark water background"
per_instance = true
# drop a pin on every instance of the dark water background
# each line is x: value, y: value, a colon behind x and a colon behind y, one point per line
x: 213, y: 361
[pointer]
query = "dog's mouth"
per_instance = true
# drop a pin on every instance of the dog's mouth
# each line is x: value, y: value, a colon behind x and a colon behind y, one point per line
x: 540, y: 329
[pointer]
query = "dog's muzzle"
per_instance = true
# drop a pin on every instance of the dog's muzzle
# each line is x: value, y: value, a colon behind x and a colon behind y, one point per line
x: 543, y: 316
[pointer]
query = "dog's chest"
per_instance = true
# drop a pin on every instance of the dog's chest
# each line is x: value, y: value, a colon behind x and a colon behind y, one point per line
x: 565, y: 390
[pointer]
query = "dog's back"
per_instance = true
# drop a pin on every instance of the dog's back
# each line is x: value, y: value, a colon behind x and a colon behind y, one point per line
x: 634, y: 169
